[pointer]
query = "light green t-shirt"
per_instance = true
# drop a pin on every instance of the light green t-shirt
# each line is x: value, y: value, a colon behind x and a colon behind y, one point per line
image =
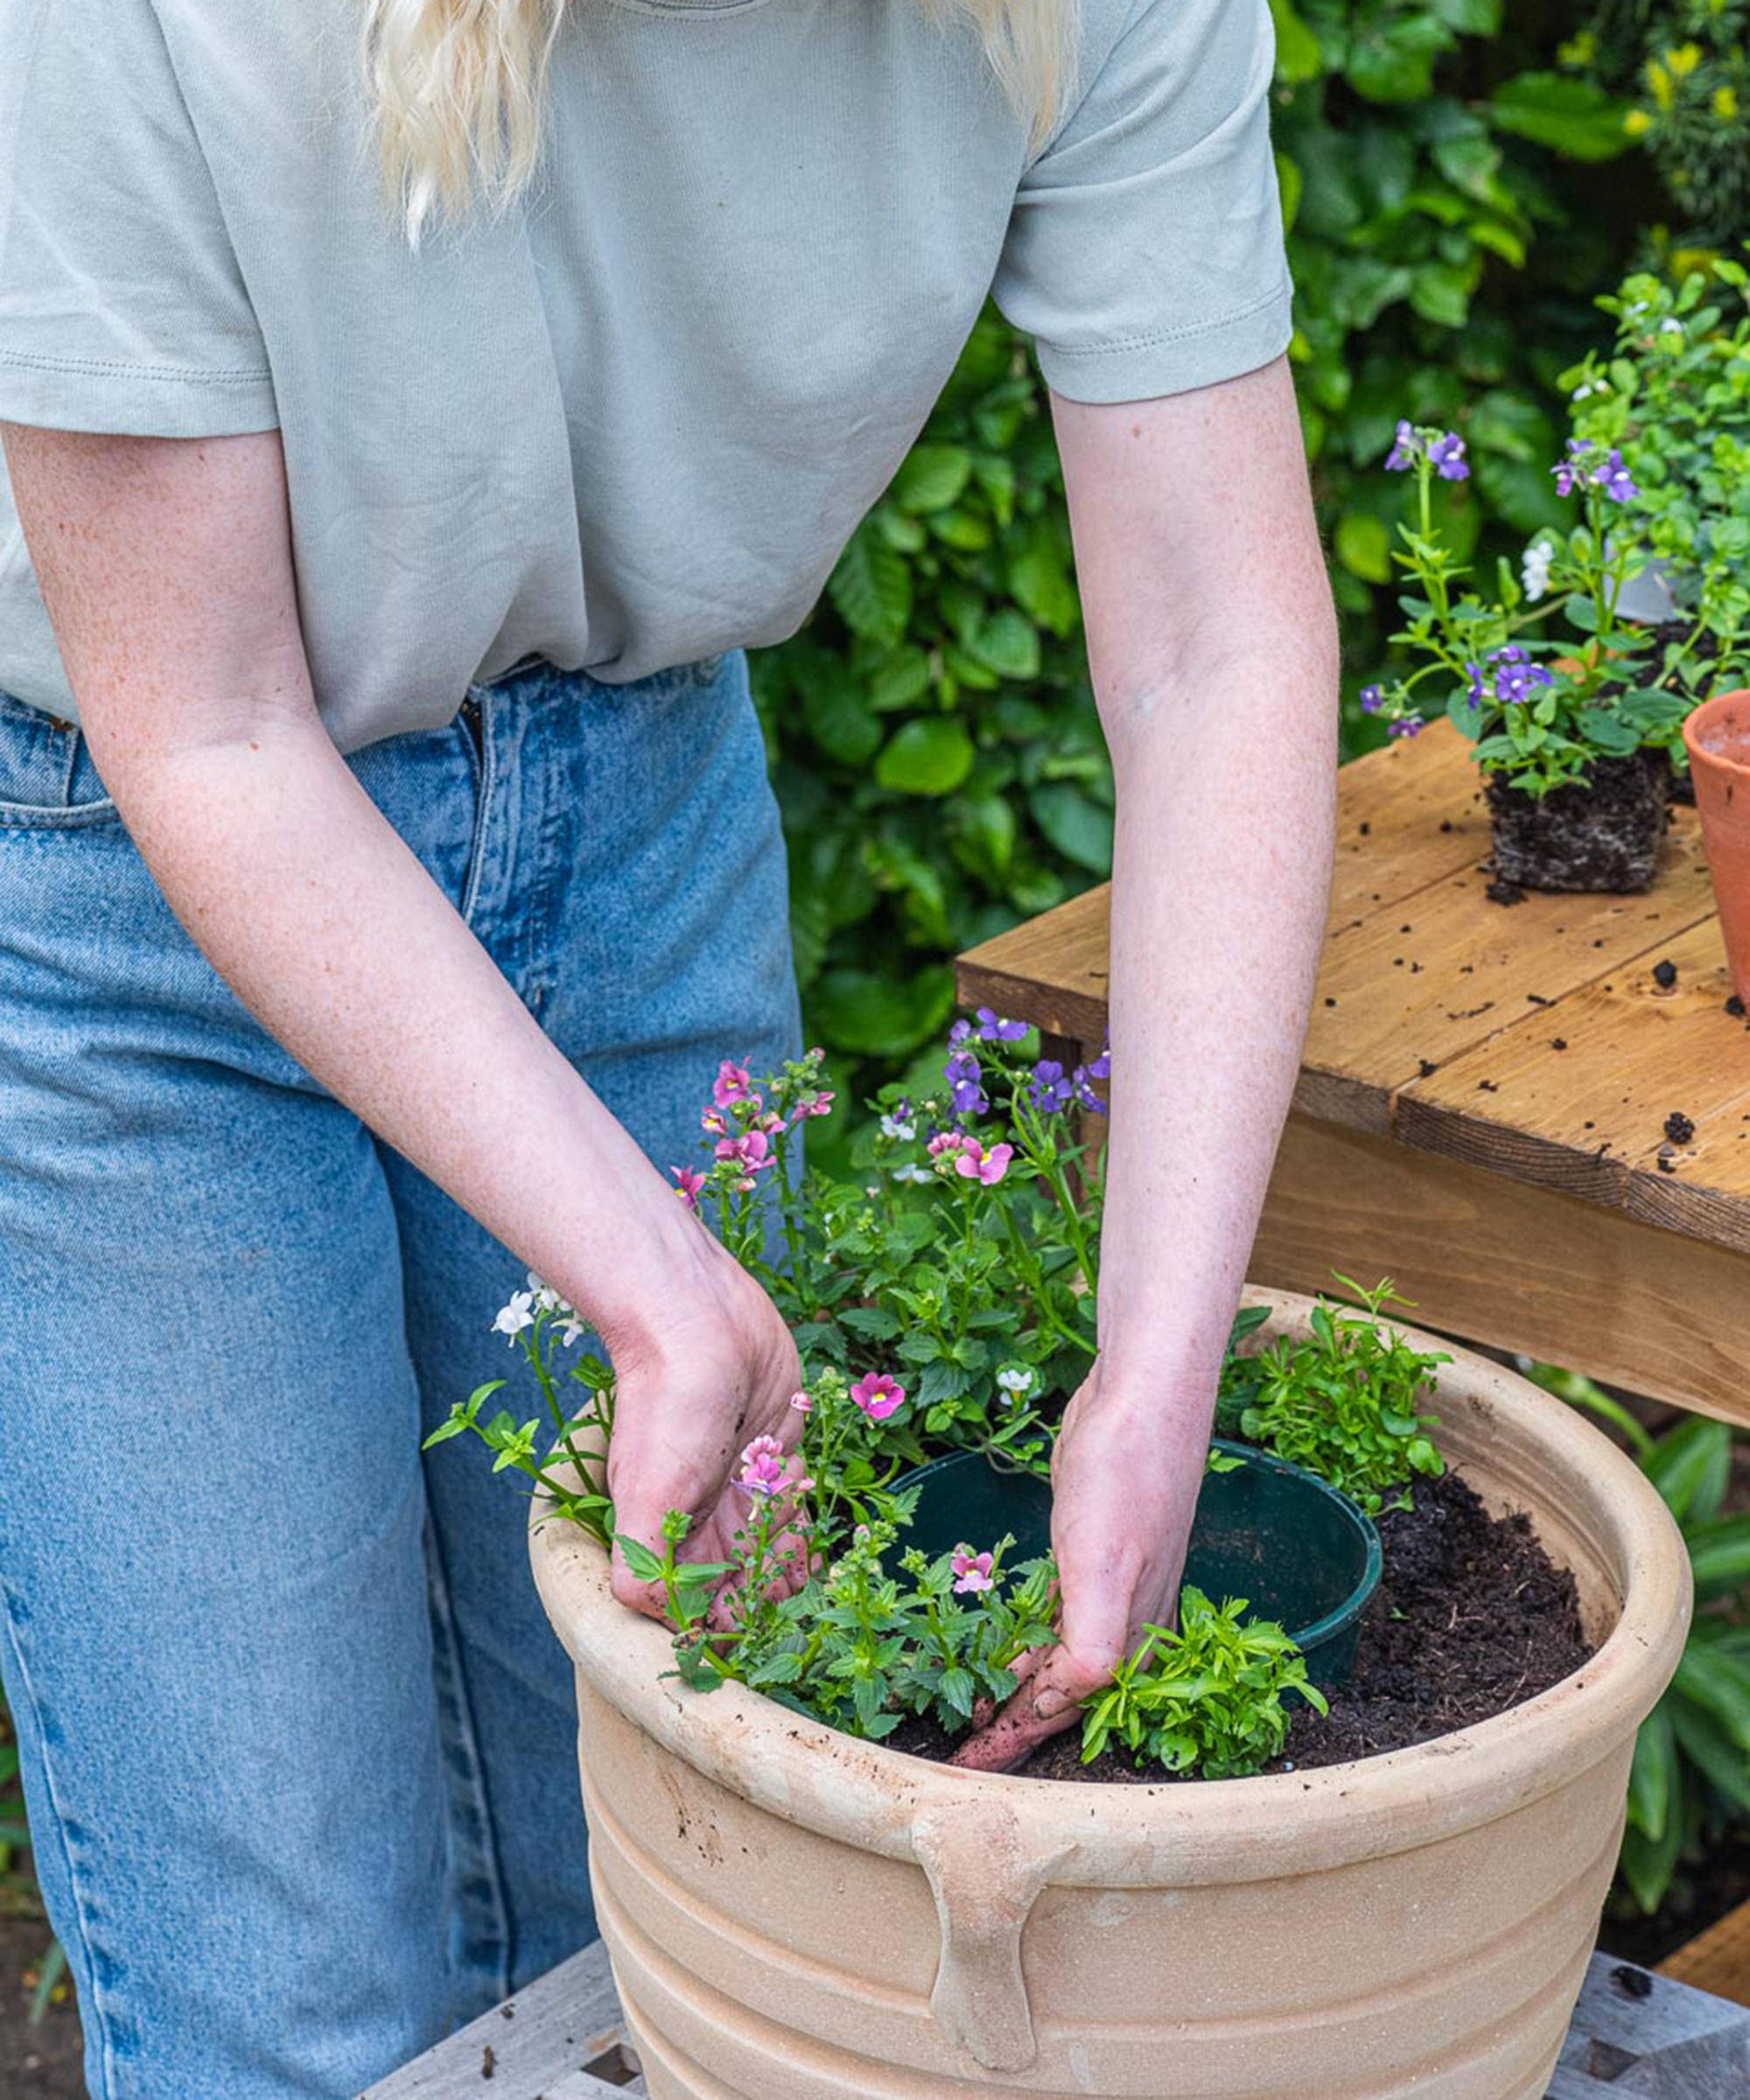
x: 633, y: 423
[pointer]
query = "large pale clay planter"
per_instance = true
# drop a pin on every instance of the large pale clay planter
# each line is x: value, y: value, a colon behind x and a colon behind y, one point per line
x: 793, y: 1915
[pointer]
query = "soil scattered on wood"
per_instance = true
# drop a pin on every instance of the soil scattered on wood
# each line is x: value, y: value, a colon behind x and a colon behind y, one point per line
x: 1471, y: 1618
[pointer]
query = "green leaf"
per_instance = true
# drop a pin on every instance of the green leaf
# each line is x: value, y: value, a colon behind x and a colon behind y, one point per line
x: 1363, y: 544
x: 1720, y: 1554
x: 931, y: 755
x: 933, y: 476
x: 642, y: 1563
x: 1571, y: 116
x: 839, y: 721
x: 1079, y: 827
x: 1008, y: 642
x: 874, y: 1014
x: 1650, y: 1776
x: 1297, y: 48
x: 872, y: 586
x: 1691, y: 1467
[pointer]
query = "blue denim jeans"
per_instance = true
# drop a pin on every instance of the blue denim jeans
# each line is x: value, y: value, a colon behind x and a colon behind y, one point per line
x: 299, y: 1745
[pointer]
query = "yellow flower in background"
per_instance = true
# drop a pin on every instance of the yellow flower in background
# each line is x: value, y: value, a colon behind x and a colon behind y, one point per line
x: 1638, y: 123
x: 1726, y: 104
x: 1684, y: 60
x: 1659, y: 82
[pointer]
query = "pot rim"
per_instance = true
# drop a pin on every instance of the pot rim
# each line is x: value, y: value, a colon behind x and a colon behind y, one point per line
x: 1699, y: 756
x: 1118, y: 1834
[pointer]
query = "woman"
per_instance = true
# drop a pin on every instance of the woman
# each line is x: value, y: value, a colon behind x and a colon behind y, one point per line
x: 387, y: 859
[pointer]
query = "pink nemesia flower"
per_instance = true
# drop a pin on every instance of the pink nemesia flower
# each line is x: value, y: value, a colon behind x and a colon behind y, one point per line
x: 971, y: 1571
x: 818, y: 1104
x: 753, y: 1149
x: 712, y: 1122
x: 879, y: 1396
x: 689, y: 1183
x: 944, y: 1141
x: 976, y: 1163
x: 801, y: 1402
x: 732, y: 1084
x: 765, y: 1467
x: 772, y: 1121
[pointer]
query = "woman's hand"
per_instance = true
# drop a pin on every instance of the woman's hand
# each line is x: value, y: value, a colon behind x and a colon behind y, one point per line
x: 693, y: 1388
x: 1125, y: 1478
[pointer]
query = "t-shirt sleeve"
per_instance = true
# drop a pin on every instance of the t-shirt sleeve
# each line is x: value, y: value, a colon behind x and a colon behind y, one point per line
x: 122, y: 308
x: 1145, y: 253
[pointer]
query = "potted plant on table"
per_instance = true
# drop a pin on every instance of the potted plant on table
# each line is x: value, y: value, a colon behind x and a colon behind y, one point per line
x: 1573, y: 678
x: 800, y: 1898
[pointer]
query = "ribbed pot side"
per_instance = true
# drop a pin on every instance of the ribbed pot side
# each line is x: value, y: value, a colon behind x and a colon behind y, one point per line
x: 793, y: 1914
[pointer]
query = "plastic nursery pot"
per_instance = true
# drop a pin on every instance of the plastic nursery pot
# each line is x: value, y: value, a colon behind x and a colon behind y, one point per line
x: 1718, y: 735
x: 1603, y: 834
x: 795, y: 1915
x: 1297, y: 1550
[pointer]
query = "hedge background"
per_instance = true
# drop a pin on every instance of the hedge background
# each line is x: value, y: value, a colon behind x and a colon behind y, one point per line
x: 1461, y: 185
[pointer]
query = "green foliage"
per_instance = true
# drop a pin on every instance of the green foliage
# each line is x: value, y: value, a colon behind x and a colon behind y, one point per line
x: 1207, y: 1694
x: 1345, y: 1401
x: 1687, y: 64
x: 936, y: 750
x: 1674, y: 395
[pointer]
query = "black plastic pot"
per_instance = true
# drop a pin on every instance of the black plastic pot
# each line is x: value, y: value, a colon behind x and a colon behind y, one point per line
x: 1295, y: 1548
x: 1602, y: 835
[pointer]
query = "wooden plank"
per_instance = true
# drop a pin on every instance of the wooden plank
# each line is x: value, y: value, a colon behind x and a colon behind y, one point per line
x: 557, y: 2028
x: 1636, y: 2033
x: 1577, y: 1096
x: 1716, y: 1960
x: 1407, y: 817
x: 1051, y: 971
x: 1511, y: 1264
x: 1416, y: 986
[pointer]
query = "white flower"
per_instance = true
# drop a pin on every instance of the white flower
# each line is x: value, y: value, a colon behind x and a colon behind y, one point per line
x: 1640, y: 306
x: 1585, y: 392
x: 547, y: 1299
x: 570, y: 1330
x: 1536, y: 572
x: 895, y: 1126
x: 517, y: 1315
x: 912, y: 1172
x: 1016, y: 1381
x: 1671, y: 325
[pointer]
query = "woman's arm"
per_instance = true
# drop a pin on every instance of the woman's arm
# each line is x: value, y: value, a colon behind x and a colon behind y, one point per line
x: 166, y: 566
x: 1213, y: 646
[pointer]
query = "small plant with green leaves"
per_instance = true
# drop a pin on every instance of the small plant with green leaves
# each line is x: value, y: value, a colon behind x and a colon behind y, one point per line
x: 1208, y: 1695
x: 1690, y: 1780
x: 1345, y: 1402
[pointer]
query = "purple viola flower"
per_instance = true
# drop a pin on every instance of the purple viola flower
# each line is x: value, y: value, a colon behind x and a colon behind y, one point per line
x: 1406, y: 448
x: 1406, y: 725
x: 1373, y: 698
x: 1100, y: 1066
x: 992, y: 1030
x: 1570, y: 472
x: 960, y: 1031
x: 1476, y: 691
x: 1614, y: 479
x: 1446, y: 453
x: 964, y: 1074
x: 1515, y: 676
x: 1048, y: 1089
x: 1084, y: 1092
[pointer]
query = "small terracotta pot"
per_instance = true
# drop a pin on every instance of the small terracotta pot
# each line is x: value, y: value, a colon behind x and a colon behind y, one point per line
x: 1718, y: 735
x: 793, y: 1915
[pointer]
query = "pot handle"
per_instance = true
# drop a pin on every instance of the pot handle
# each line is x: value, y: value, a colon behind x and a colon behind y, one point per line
x: 985, y: 1886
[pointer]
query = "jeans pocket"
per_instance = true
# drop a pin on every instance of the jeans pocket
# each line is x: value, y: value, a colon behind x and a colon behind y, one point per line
x: 47, y: 779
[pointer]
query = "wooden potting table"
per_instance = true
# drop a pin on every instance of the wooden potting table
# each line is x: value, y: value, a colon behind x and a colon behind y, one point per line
x: 1534, y: 1115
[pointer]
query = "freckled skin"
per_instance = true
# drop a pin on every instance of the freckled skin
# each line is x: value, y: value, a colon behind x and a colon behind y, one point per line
x: 166, y: 566
x: 1213, y: 646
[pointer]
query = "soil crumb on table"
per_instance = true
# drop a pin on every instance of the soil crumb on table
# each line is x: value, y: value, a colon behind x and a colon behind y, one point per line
x: 1471, y: 1617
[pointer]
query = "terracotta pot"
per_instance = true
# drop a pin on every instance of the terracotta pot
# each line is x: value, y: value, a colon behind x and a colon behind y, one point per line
x: 794, y: 1915
x: 1718, y: 735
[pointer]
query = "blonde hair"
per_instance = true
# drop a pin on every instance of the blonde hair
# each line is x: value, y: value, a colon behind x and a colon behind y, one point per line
x: 460, y: 87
